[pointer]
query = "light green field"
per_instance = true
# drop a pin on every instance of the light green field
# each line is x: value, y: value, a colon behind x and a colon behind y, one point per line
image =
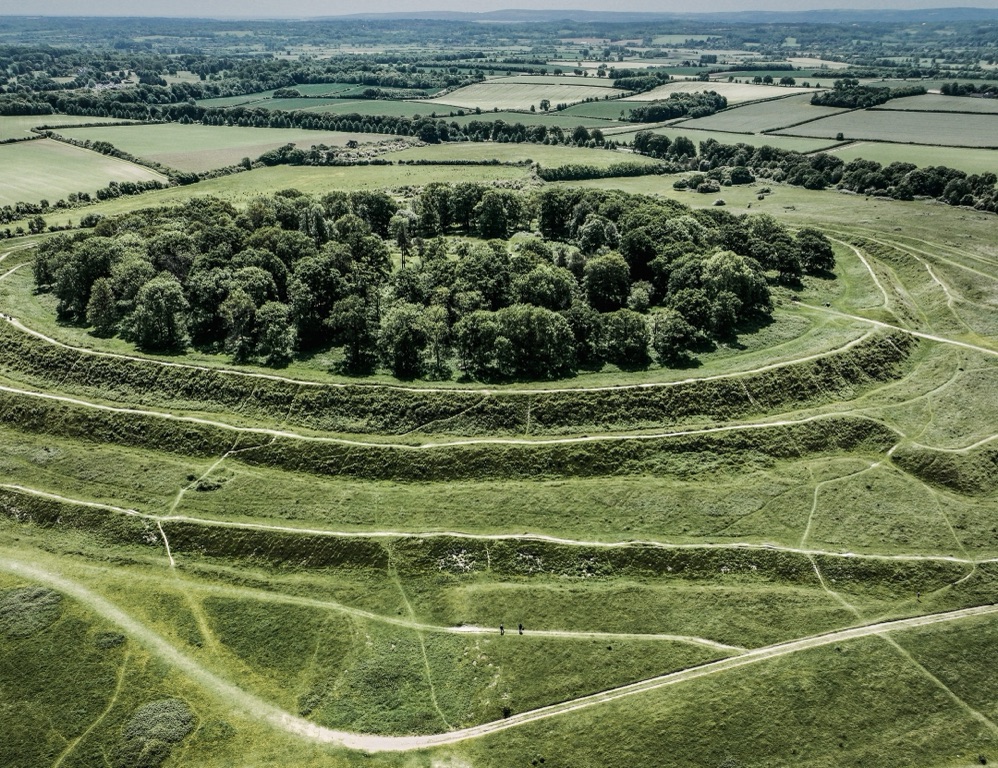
x: 754, y: 140
x: 204, y: 147
x: 566, y: 118
x: 243, y: 187
x: 763, y: 116
x: 605, y: 110
x: 372, y: 107
x: 558, y: 80
x: 50, y: 170
x: 906, y: 127
x: 515, y: 153
x: 20, y: 126
x: 735, y: 93
x: 931, y: 102
x: 506, y: 95
x: 967, y: 160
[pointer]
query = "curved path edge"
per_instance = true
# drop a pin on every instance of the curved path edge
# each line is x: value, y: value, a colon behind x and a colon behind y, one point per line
x: 257, y: 707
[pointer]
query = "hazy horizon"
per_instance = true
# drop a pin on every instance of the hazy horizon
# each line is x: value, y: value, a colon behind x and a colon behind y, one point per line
x: 292, y: 9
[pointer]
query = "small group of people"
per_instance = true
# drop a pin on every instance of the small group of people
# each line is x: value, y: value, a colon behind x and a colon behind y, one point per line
x: 502, y: 629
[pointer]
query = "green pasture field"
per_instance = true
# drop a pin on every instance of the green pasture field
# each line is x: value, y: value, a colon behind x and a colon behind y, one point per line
x: 516, y: 96
x: 602, y: 110
x: 803, y: 145
x: 978, y: 130
x: 373, y: 107
x: 566, y: 118
x: 964, y: 159
x: 558, y: 80
x: 50, y: 170
x: 247, y: 99
x: 546, y: 155
x: 763, y: 116
x: 308, y: 104
x: 735, y: 93
x: 205, y: 147
x: 17, y: 127
x: 932, y: 102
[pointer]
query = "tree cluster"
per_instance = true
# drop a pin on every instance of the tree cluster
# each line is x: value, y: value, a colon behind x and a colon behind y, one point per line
x: 849, y: 94
x: 679, y: 105
x: 611, y: 278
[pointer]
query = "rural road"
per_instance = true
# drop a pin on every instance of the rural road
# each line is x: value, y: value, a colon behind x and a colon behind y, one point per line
x: 263, y: 710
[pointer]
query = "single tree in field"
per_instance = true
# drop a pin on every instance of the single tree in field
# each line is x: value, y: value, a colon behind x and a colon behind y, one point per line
x: 438, y: 339
x: 401, y: 228
x: 159, y: 322
x: 816, y: 254
x: 626, y: 335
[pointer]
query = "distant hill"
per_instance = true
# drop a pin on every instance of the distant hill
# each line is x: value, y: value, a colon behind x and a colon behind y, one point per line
x: 765, y: 17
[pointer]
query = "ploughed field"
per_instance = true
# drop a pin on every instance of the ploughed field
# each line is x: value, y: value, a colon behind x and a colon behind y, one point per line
x: 789, y: 552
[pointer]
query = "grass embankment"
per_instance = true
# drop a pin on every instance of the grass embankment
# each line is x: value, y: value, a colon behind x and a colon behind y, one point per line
x: 398, y: 410
x: 972, y: 471
x: 683, y: 454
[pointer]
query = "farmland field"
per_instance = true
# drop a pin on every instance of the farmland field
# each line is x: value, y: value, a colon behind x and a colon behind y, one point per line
x: 566, y: 118
x: 515, y: 96
x: 754, y: 140
x: 47, y: 169
x: 905, y: 127
x: 203, y: 147
x: 931, y: 102
x: 20, y: 126
x: 559, y: 80
x: 515, y: 153
x: 735, y: 93
x: 966, y: 160
x: 763, y: 116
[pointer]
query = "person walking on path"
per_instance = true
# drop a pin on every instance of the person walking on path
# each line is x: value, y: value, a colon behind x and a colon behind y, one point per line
x: 502, y: 630
x: 520, y: 627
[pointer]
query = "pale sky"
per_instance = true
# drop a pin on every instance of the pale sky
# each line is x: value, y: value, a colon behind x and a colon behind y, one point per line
x: 312, y: 8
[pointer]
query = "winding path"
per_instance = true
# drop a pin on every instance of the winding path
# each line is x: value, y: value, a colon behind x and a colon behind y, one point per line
x: 263, y: 710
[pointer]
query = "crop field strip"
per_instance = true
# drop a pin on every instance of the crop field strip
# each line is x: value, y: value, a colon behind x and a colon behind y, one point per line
x: 735, y: 93
x: 505, y: 95
x: 929, y: 128
x: 759, y: 117
x: 204, y: 147
x: 48, y: 169
x: 937, y: 103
